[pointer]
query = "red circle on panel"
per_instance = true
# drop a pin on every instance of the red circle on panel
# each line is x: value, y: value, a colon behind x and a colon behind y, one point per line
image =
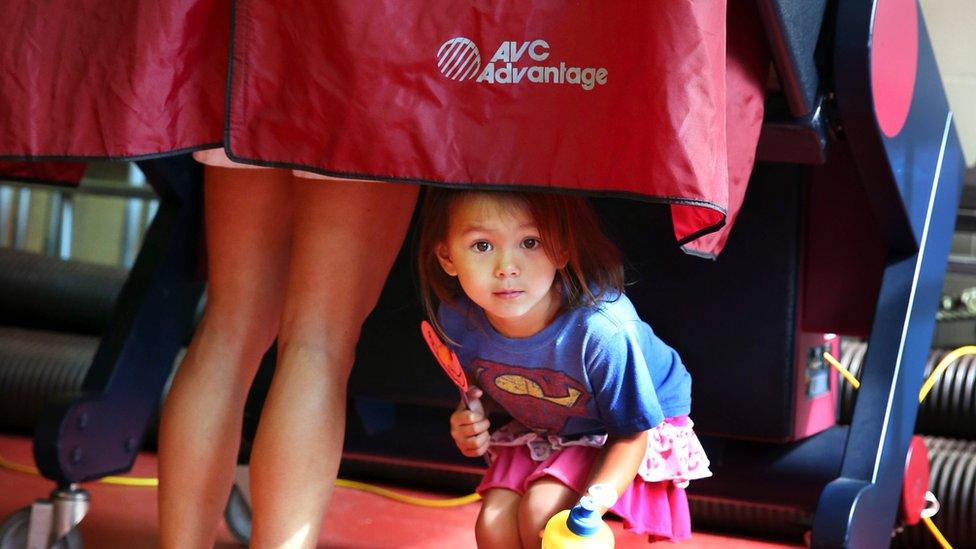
x: 916, y: 481
x: 894, y: 60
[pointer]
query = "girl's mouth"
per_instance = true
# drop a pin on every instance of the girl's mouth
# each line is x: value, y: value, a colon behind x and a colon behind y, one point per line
x: 508, y: 294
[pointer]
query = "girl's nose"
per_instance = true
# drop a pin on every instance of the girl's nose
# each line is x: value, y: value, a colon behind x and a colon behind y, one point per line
x: 506, y: 267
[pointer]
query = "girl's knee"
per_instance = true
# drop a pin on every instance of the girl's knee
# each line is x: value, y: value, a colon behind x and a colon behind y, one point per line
x: 488, y: 534
x: 544, y: 498
x: 497, y: 524
x: 531, y: 522
x: 496, y: 528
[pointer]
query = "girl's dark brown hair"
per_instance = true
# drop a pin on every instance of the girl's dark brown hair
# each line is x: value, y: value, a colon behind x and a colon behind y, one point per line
x: 567, y: 225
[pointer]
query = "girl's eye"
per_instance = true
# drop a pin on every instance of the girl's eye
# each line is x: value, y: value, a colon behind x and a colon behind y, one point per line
x: 530, y: 243
x: 482, y: 246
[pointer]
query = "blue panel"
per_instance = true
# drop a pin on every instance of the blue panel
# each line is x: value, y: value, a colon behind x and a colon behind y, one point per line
x: 924, y: 162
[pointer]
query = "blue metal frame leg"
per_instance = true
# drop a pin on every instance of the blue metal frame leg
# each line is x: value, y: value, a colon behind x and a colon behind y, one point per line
x: 99, y: 432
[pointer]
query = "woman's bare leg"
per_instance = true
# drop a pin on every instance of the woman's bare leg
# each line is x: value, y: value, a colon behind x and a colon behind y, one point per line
x: 346, y: 236
x: 248, y: 216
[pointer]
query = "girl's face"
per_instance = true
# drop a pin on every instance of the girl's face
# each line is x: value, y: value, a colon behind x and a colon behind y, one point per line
x: 494, y: 249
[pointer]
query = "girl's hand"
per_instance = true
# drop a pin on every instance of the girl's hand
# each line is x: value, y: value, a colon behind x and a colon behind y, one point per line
x: 469, y: 426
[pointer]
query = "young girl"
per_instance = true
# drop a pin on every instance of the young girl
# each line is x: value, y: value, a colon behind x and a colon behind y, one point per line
x: 531, y: 300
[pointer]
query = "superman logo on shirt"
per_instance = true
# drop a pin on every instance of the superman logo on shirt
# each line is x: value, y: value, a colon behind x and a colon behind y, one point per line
x: 539, y: 398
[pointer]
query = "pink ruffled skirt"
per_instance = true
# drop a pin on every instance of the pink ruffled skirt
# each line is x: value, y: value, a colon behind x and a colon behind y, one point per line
x: 655, y: 504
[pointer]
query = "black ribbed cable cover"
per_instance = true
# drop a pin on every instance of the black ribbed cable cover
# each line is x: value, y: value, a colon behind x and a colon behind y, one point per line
x: 35, y: 368
x: 48, y: 293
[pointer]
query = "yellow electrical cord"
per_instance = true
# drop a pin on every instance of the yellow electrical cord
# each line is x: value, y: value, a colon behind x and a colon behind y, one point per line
x: 935, y: 532
x: 362, y: 486
x: 425, y: 502
x: 843, y: 371
x: 943, y: 364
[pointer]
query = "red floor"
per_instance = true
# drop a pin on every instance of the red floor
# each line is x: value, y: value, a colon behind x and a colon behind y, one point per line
x: 125, y: 517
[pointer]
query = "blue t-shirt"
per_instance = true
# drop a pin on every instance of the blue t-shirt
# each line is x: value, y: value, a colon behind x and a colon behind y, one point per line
x: 593, y: 370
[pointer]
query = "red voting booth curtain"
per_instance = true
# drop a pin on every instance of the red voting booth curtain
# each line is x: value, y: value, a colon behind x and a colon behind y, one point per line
x: 659, y: 101
x: 62, y: 173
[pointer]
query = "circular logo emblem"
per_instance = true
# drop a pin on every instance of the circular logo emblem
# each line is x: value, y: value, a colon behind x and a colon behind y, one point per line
x: 459, y: 59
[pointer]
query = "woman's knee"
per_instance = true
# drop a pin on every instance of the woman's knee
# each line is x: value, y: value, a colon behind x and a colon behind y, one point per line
x: 247, y: 332
x: 332, y: 360
x: 325, y: 331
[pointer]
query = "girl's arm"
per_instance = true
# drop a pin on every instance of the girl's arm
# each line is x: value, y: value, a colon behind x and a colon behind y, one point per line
x: 618, y: 462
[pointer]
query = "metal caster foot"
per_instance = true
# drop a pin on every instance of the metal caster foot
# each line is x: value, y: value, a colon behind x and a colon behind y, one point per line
x: 237, y: 514
x: 47, y: 523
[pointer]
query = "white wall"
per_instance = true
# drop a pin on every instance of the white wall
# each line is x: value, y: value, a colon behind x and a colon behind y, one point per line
x: 952, y: 29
